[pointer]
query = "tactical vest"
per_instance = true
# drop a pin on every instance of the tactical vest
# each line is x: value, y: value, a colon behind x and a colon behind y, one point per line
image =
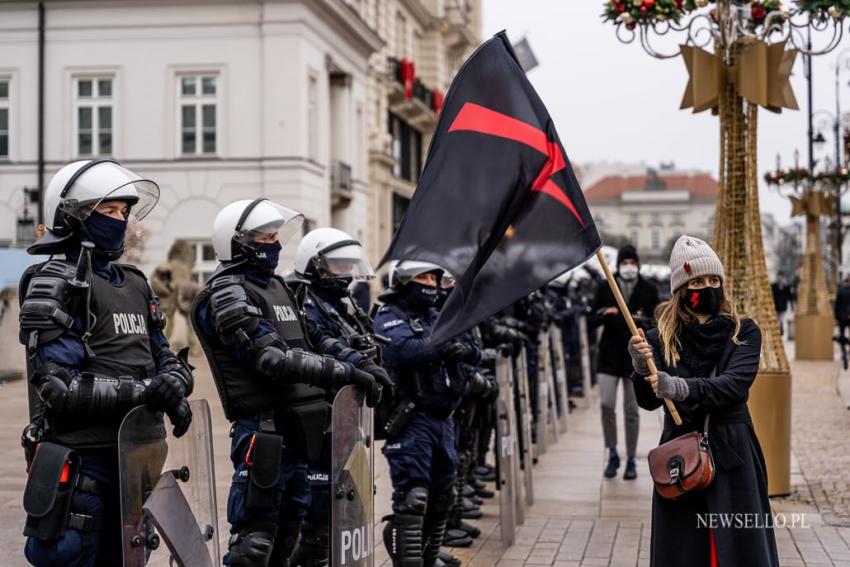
x: 121, y: 346
x: 244, y: 392
x: 428, y: 383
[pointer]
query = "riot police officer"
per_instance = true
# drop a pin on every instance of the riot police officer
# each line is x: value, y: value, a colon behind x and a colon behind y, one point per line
x: 95, y: 350
x: 327, y: 262
x: 272, y: 383
x: 420, y: 444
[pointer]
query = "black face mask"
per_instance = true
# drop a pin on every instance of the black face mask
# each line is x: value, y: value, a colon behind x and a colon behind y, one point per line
x: 107, y: 234
x: 705, y: 301
x: 266, y: 256
x: 337, y: 287
x: 443, y: 296
x: 423, y: 295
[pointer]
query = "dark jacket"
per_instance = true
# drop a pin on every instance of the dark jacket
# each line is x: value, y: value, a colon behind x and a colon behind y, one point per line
x: 740, y: 482
x: 612, y: 353
x: 842, y: 304
x: 781, y: 296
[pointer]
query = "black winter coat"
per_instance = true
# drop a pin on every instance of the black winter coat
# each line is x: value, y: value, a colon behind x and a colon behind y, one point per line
x: 740, y: 482
x: 612, y: 352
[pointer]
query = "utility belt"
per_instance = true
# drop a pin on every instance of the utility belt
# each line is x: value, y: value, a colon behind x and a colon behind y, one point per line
x: 54, y: 478
x: 304, y: 425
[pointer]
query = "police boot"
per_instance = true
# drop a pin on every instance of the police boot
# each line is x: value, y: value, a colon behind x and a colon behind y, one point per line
x: 313, y: 549
x: 447, y: 559
x: 403, y: 535
x: 284, y: 543
x: 252, y: 546
x: 403, y: 539
x: 435, y: 525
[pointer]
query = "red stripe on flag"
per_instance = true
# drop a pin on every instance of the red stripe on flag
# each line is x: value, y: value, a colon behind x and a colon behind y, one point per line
x: 476, y: 118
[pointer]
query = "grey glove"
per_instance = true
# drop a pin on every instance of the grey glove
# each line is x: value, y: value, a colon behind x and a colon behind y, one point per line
x: 639, y: 360
x: 672, y: 387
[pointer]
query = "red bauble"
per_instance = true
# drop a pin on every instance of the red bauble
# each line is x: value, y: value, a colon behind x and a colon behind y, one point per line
x: 649, y: 3
x: 620, y: 7
x: 643, y: 9
x: 758, y: 11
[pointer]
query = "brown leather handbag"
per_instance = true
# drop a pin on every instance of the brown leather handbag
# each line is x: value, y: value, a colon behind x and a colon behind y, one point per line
x: 683, y: 464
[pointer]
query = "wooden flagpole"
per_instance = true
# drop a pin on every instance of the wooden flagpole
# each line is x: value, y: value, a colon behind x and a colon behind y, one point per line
x: 624, y: 310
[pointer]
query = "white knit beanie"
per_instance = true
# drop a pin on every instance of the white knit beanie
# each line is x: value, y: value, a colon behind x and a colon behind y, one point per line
x: 691, y: 258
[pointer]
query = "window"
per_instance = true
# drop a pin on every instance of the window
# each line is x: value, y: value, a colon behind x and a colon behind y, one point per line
x: 313, y: 118
x: 205, y: 261
x: 4, y: 118
x: 198, y: 115
x: 677, y: 219
x: 400, y: 35
x: 400, y: 205
x: 656, y: 239
x: 634, y: 238
x: 93, y: 115
x: 634, y: 218
x: 406, y: 149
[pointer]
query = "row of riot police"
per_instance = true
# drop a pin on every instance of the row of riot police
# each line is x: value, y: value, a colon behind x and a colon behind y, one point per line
x: 280, y: 352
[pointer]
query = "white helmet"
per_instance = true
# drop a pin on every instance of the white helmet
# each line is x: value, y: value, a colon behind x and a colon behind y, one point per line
x: 79, y: 187
x: 237, y: 224
x: 402, y: 271
x: 329, y: 252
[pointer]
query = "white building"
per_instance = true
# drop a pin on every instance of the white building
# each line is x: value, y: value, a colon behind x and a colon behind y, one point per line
x: 216, y: 100
x: 652, y: 209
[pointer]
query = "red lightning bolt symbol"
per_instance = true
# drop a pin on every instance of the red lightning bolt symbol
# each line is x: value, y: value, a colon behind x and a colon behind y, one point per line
x: 694, y: 300
x: 475, y: 118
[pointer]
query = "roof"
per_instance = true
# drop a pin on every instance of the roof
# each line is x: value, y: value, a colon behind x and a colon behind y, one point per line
x: 701, y: 186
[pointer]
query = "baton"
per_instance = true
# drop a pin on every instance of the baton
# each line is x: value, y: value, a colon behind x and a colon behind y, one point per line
x: 615, y: 289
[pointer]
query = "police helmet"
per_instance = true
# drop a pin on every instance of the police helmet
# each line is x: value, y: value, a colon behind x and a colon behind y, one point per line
x: 237, y: 225
x: 79, y: 187
x: 331, y: 253
x: 402, y: 271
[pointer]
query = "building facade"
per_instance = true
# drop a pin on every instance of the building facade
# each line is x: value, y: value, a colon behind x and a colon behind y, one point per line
x: 651, y: 210
x: 216, y: 100
x: 424, y: 44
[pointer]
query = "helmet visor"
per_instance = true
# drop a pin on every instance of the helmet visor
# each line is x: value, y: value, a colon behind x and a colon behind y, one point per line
x: 268, y: 219
x: 110, y: 182
x: 345, y: 261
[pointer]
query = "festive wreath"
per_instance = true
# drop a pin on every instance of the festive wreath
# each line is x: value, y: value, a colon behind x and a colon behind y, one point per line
x: 790, y: 175
x: 648, y: 12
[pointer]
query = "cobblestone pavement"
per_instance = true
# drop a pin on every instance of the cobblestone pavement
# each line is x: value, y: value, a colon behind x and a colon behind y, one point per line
x: 578, y: 517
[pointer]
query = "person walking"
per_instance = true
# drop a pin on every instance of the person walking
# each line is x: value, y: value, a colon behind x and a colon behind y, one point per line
x: 781, y: 292
x: 613, y: 364
x: 707, y: 358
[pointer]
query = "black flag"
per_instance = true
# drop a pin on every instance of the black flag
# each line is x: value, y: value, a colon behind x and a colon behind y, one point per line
x: 498, y: 204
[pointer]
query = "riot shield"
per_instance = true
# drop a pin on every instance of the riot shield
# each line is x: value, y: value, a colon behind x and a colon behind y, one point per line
x: 506, y: 450
x: 352, y: 481
x: 584, y: 348
x: 548, y: 411
x: 559, y: 368
x: 524, y: 426
x: 167, y: 491
x: 540, y: 429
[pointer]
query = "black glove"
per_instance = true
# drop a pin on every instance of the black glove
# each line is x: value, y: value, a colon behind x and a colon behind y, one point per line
x: 180, y: 417
x: 365, y: 381
x: 165, y: 391
x: 379, y: 374
x: 456, y: 351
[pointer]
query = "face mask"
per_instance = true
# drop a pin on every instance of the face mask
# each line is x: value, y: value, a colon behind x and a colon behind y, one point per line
x: 705, y: 301
x: 629, y: 272
x: 423, y: 295
x: 334, y: 287
x: 443, y: 296
x: 267, y: 255
x: 107, y: 234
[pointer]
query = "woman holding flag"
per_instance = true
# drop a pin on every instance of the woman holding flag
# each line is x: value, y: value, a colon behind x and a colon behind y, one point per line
x: 707, y: 358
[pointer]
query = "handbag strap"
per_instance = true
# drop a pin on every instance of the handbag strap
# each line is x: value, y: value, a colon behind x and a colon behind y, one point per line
x: 708, y: 415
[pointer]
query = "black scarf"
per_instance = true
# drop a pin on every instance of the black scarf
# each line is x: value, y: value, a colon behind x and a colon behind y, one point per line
x: 703, y: 345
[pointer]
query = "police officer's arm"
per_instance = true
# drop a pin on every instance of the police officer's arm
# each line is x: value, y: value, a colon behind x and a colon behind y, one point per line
x: 324, y: 341
x: 407, y: 347
x: 56, y: 352
x: 239, y: 324
x: 170, y: 363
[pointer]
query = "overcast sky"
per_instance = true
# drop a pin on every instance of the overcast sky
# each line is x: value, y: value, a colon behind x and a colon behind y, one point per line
x: 614, y: 102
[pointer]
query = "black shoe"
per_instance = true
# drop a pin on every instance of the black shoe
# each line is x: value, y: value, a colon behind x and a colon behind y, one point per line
x: 477, y: 484
x: 455, y: 537
x: 467, y: 491
x: 613, y: 465
x: 471, y: 531
x: 448, y: 559
x: 477, y: 500
x: 631, y: 470
x: 484, y: 493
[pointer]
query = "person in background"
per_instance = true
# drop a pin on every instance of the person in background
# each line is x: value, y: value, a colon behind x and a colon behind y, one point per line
x: 781, y: 298
x: 841, y: 308
x: 613, y: 364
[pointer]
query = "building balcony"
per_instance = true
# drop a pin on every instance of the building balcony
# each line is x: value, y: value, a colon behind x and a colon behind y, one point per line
x: 342, y: 189
x: 409, y: 98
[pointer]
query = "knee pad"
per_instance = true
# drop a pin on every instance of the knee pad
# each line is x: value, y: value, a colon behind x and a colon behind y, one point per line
x: 313, y: 549
x: 442, y: 501
x: 414, y: 501
x: 403, y: 539
x: 252, y: 546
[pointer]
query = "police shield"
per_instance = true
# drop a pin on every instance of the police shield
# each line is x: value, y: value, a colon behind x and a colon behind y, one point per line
x: 559, y: 366
x: 167, y: 491
x: 506, y: 450
x: 352, y: 481
x: 524, y: 425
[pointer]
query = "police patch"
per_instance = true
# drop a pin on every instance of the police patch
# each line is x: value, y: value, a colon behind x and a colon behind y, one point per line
x: 393, y: 323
